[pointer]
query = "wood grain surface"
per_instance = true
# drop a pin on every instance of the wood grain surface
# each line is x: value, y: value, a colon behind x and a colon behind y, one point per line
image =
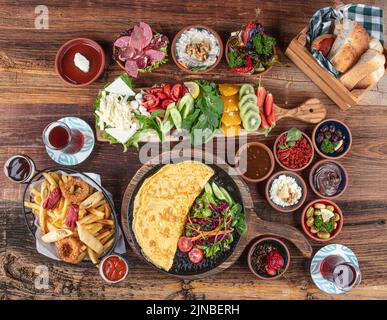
x: 31, y: 95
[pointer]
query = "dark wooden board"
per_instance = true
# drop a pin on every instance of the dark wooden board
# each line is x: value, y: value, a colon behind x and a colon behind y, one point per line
x: 256, y: 226
x: 32, y: 95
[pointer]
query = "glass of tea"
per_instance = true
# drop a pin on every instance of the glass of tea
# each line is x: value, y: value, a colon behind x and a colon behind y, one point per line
x: 19, y: 168
x: 58, y: 136
x: 344, y: 274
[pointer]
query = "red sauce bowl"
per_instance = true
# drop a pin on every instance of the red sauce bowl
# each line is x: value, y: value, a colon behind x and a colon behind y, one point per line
x: 334, y: 233
x: 109, y: 266
x: 281, y: 164
x: 64, y: 61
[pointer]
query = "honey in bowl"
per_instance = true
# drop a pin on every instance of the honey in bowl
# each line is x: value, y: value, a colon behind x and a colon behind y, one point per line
x: 258, y: 163
x: 19, y: 168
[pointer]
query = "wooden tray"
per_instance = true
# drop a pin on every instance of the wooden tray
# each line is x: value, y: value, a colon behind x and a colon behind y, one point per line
x: 256, y: 226
x: 311, y: 111
x: 331, y: 86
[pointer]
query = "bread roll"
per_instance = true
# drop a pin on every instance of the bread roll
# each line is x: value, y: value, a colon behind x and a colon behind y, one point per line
x: 369, y: 62
x: 376, y: 45
x: 351, y: 42
x: 371, y: 79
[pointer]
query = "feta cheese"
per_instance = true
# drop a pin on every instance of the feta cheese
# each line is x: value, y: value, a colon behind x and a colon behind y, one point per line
x: 326, y: 214
x: 119, y: 87
x: 81, y: 62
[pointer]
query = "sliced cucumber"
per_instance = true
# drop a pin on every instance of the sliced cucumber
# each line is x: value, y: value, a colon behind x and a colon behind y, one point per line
x: 187, y: 100
x: 226, y: 195
x: 246, y: 108
x: 251, y: 121
x: 176, y: 117
x: 168, y: 111
x: 251, y: 97
x: 245, y: 89
x: 167, y: 126
x: 208, y: 188
x: 218, y: 193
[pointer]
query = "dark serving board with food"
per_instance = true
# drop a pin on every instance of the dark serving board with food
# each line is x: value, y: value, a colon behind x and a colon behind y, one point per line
x: 239, y: 190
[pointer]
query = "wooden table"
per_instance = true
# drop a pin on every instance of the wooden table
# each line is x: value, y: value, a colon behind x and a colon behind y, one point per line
x: 32, y: 95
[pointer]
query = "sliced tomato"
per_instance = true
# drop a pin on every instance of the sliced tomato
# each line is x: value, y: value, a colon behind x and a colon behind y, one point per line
x: 167, y: 89
x: 196, y: 255
x: 154, y: 90
x: 166, y: 103
x: 161, y: 95
x: 177, y: 90
x: 245, y: 35
x: 150, y: 104
x: 149, y: 96
x: 185, y: 244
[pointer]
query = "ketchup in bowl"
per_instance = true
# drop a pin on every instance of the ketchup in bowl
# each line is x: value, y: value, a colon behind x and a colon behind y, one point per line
x: 113, y: 269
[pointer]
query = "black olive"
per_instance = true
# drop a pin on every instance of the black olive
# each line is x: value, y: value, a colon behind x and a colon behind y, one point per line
x: 335, y: 138
x: 324, y: 129
x: 320, y: 138
x: 328, y: 135
x: 332, y: 128
x: 339, y: 133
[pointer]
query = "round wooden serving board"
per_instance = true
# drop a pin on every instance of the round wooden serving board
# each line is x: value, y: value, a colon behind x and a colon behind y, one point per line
x: 256, y: 226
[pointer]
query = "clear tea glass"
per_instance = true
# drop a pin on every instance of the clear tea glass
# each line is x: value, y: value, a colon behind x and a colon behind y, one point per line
x: 58, y: 136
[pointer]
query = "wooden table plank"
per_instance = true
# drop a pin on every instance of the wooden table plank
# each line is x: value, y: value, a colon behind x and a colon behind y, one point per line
x: 31, y: 95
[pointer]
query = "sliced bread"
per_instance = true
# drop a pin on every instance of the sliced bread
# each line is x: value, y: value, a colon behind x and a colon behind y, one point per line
x: 369, y: 62
x: 351, y: 42
x: 375, y: 44
x: 371, y: 79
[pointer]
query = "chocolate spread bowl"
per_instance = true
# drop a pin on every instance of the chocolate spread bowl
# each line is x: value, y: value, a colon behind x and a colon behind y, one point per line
x: 328, y: 179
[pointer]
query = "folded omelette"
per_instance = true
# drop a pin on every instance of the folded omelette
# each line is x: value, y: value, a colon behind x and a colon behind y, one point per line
x: 161, y: 208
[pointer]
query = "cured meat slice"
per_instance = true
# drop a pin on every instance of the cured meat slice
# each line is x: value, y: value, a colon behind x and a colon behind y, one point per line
x: 158, y: 42
x: 154, y: 55
x: 127, y: 53
x: 142, y: 61
x: 131, y: 68
x: 147, y: 33
x: 137, y: 38
x: 122, y: 42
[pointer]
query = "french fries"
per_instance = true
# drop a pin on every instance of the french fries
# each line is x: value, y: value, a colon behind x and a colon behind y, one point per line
x: 95, y: 227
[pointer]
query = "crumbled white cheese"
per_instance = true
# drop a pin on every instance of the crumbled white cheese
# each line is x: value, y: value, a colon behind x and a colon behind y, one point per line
x: 116, y: 115
x: 326, y: 214
x: 285, y: 191
x: 81, y: 62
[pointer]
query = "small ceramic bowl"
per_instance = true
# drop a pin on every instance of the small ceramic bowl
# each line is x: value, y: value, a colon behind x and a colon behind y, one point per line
x: 258, y: 74
x: 346, y: 133
x: 340, y: 223
x: 300, y: 181
x: 281, y: 247
x: 64, y: 61
x: 344, y: 179
x: 102, y: 273
x: 197, y: 26
x: 120, y: 63
x: 281, y: 164
x: 242, y: 149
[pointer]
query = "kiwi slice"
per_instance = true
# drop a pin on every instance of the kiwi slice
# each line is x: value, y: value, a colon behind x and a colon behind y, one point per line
x: 251, y: 121
x: 245, y: 89
x: 250, y: 97
x: 246, y: 108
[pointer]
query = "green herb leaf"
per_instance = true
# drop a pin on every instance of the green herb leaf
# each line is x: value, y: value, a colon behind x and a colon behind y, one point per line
x: 235, y: 60
x: 327, y: 146
x: 264, y: 44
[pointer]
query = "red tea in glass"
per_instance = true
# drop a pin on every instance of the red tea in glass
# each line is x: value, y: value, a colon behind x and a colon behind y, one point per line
x: 344, y: 274
x: 58, y: 136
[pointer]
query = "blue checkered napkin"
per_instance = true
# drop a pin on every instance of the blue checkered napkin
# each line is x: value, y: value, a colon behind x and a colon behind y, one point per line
x: 369, y: 16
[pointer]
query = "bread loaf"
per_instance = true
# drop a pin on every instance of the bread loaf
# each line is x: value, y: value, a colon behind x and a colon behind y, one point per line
x: 351, y: 42
x: 371, y: 79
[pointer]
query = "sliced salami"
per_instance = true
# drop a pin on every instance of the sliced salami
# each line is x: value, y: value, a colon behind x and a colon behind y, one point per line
x: 142, y: 61
x: 131, y: 68
x: 154, y: 55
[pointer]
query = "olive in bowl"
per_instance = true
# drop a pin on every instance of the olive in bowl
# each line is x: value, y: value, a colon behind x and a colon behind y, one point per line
x: 322, y: 220
x: 332, y: 139
x: 268, y: 258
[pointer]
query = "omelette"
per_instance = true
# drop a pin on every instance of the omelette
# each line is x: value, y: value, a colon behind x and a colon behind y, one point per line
x: 161, y: 208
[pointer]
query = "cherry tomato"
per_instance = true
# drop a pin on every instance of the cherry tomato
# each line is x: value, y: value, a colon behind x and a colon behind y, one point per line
x: 167, y: 89
x: 196, y: 255
x: 149, y: 96
x: 177, y: 91
x: 185, y: 244
x: 166, y: 103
